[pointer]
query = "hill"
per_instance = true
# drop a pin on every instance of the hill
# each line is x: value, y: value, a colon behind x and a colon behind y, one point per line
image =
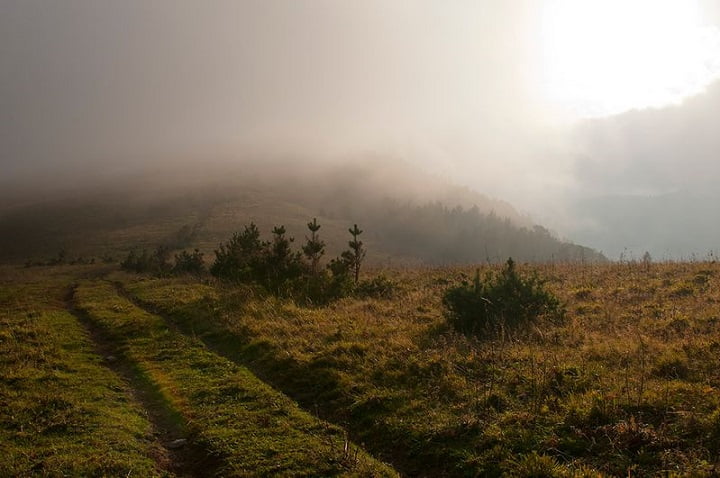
x: 409, y: 217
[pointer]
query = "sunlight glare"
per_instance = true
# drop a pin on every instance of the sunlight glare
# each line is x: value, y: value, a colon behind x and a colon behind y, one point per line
x: 604, y: 57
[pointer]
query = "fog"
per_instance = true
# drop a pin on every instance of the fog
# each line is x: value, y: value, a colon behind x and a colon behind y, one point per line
x: 647, y: 180
x: 104, y: 87
x: 89, y: 83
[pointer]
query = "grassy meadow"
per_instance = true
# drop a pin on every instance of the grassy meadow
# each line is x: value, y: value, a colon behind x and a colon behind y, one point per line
x: 62, y: 411
x: 626, y: 385
x: 92, y: 385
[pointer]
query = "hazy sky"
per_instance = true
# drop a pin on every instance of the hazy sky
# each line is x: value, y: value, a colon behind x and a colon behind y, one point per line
x: 484, y: 92
x: 94, y: 79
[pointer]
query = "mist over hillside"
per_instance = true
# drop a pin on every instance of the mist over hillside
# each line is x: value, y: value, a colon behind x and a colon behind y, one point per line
x: 673, y: 226
x: 409, y: 217
x: 648, y: 181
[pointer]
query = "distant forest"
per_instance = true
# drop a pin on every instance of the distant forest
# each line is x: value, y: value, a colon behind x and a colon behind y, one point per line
x: 444, y: 235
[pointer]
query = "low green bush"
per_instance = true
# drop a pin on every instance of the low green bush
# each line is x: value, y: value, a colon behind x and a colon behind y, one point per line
x: 189, y: 263
x: 379, y: 287
x: 155, y: 263
x: 504, y: 301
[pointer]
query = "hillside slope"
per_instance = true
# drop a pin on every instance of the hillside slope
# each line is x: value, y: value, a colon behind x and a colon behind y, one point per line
x: 409, y: 217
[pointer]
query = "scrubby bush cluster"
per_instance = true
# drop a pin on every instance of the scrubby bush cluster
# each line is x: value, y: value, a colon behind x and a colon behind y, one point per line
x: 189, y: 263
x: 379, y: 287
x: 63, y: 258
x: 158, y: 262
x: 274, y: 265
x: 502, y: 302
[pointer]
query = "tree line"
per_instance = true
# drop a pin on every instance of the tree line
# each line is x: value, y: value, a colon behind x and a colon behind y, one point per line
x: 455, y: 235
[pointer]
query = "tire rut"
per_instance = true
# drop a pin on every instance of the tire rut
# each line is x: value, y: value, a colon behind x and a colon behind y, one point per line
x: 175, y: 450
x: 222, y: 352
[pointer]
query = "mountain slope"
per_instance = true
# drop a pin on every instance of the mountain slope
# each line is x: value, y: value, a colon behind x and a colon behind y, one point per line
x: 408, y: 216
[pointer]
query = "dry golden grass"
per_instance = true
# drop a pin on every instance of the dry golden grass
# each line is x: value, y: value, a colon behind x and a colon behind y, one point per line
x: 627, y: 384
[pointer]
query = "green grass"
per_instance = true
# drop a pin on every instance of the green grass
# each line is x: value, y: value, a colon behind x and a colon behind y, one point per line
x: 251, y: 429
x: 627, y: 384
x: 62, y: 412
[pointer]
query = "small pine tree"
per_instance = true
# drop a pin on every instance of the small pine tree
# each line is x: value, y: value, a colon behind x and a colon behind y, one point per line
x: 242, y: 258
x: 314, y: 248
x: 356, y: 254
x: 284, y: 265
x: 280, y: 252
x: 187, y: 263
x: 159, y: 262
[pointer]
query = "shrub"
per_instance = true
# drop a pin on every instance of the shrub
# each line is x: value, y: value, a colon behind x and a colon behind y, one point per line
x: 189, y: 263
x: 283, y: 266
x: 502, y: 302
x: 156, y: 263
x: 242, y: 259
x: 338, y: 283
x: 379, y: 287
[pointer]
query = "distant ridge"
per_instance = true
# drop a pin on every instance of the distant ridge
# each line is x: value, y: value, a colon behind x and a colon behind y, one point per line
x: 649, y: 181
x: 409, y: 217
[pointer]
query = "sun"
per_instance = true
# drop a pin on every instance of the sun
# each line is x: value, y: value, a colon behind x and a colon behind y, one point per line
x: 602, y: 57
